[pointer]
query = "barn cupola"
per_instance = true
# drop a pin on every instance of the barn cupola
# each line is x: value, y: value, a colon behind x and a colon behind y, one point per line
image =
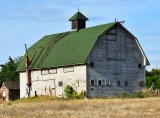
x: 78, y: 21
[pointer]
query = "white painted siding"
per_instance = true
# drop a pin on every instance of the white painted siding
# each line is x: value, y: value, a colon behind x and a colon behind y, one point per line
x: 46, y: 82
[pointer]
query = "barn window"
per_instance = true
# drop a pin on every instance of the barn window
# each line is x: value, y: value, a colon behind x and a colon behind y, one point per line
x: 126, y: 83
x: 118, y: 83
x: 108, y: 82
x: 52, y: 71
x: 44, y: 72
x: 60, y: 83
x: 99, y: 82
x: 112, y: 50
x: 91, y: 64
x: 92, y: 82
x: 68, y: 69
x: 139, y: 65
x: 121, y: 48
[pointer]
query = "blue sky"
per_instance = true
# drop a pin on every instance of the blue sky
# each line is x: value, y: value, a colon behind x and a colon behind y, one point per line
x: 26, y: 21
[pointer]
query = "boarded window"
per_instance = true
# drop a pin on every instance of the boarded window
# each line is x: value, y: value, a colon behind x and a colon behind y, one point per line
x: 74, y: 24
x: 126, y: 83
x: 118, y: 83
x: 108, y: 82
x: 121, y: 48
x: 111, y: 37
x: 44, y: 72
x: 68, y: 69
x: 116, y: 69
x: 112, y: 50
x: 52, y: 71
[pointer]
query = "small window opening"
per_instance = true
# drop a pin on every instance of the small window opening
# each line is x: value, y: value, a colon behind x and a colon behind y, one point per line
x: 78, y: 84
x: 99, y: 82
x: 91, y: 64
x: 139, y: 65
x: 126, y: 83
x: 118, y: 83
x: 92, y: 82
x: 60, y: 83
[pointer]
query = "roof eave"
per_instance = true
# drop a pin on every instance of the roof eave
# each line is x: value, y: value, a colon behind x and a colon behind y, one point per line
x: 146, y: 61
x: 59, y: 66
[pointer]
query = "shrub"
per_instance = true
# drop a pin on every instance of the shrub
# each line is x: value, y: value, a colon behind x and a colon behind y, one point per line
x: 155, y: 79
x: 134, y: 95
x: 82, y: 94
x: 137, y: 95
x: 71, y: 93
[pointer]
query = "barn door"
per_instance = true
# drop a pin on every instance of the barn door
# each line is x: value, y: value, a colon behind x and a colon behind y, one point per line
x: 48, y: 87
x: 53, y: 87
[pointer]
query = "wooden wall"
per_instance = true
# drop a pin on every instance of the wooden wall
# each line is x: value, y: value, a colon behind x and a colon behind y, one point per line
x: 115, y: 65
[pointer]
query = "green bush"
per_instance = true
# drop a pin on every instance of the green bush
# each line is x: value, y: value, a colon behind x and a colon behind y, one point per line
x: 137, y: 95
x: 82, y: 94
x: 150, y: 80
x: 68, y: 91
x: 71, y: 93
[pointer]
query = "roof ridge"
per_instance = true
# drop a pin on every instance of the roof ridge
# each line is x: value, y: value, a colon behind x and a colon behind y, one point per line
x: 80, y: 29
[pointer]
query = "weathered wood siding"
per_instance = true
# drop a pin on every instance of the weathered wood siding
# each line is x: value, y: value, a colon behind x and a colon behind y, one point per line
x: 115, y: 65
x: 53, y: 81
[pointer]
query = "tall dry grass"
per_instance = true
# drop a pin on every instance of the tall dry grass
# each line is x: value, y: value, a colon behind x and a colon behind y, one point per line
x: 87, y: 108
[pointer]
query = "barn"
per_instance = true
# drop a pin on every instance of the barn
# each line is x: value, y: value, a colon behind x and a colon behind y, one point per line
x: 102, y: 60
x: 9, y: 90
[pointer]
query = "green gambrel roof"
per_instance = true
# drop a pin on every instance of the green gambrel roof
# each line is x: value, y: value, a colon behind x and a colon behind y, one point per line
x: 78, y: 16
x: 68, y: 48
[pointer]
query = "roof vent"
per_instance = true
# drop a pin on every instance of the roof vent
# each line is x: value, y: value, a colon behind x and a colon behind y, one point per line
x: 78, y: 21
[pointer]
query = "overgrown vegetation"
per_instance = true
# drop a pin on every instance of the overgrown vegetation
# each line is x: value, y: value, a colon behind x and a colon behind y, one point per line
x: 8, y: 70
x: 138, y: 94
x: 71, y: 93
x: 153, y: 77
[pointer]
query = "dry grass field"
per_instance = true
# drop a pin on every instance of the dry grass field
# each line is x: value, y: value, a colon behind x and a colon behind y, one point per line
x: 47, y: 107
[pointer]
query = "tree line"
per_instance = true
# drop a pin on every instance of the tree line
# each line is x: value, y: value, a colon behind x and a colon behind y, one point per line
x: 8, y: 70
x: 153, y: 76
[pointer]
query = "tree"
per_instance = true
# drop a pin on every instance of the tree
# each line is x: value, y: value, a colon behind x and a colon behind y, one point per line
x: 8, y: 70
x: 153, y: 76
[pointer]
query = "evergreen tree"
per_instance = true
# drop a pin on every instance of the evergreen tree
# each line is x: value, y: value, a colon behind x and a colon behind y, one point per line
x: 8, y: 70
